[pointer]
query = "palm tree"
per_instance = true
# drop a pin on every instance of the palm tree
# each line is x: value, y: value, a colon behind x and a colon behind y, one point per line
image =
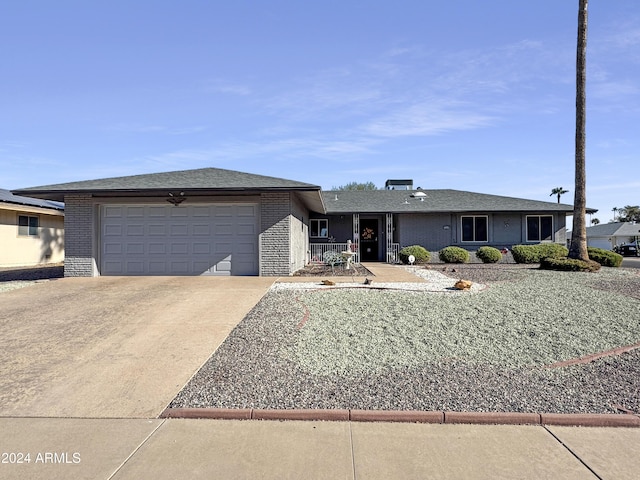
x: 578, y: 247
x: 558, y: 191
x: 614, y: 210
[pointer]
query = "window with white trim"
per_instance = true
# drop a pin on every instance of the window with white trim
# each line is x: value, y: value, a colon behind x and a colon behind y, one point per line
x: 539, y: 228
x: 28, y: 226
x: 475, y: 228
x: 319, y: 228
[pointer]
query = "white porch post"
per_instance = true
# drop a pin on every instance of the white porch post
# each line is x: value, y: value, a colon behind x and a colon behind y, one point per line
x: 389, y: 237
x: 356, y: 234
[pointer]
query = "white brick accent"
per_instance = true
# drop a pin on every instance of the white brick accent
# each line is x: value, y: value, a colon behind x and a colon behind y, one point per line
x: 275, y: 234
x: 78, y: 231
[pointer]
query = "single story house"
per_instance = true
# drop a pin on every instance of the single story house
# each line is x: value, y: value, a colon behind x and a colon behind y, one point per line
x: 221, y: 222
x: 609, y: 235
x: 31, y: 231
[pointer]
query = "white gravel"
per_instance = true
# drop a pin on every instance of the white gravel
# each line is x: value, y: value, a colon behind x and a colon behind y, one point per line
x: 389, y: 349
x: 436, y: 282
x: 8, y: 286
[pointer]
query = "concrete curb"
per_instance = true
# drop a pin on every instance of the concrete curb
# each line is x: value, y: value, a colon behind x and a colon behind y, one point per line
x: 479, y: 418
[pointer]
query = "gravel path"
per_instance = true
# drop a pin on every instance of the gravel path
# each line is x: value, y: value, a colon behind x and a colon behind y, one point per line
x: 484, y: 350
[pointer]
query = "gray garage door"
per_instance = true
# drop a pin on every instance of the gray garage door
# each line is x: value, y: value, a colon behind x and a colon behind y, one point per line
x: 215, y: 239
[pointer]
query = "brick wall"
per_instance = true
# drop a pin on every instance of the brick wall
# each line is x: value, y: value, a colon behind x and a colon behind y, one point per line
x: 275, y: 234
x: 78, y: 233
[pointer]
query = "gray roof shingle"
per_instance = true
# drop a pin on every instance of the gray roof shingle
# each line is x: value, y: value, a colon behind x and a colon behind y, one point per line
x: 618, y: 229
x: 434, y: 201
x: 200, y: 180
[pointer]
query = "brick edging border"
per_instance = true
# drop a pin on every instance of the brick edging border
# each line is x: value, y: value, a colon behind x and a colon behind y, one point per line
x: 410, y: 416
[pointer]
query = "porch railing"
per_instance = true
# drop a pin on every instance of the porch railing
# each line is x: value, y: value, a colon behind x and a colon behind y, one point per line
x: 392, y: 253
x: 319, y: 249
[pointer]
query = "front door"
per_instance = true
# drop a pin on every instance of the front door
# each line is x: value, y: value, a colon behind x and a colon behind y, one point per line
x: 369, y: 240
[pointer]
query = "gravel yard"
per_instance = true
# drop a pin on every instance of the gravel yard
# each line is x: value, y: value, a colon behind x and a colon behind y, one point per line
x: 12, y: 278
x: 428, y: 347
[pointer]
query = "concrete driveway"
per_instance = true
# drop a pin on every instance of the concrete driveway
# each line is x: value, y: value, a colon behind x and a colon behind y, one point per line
x: 631, y: 262
x: 113, y: 347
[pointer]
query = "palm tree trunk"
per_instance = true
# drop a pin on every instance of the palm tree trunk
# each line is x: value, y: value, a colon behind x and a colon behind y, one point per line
x: 578, y: 248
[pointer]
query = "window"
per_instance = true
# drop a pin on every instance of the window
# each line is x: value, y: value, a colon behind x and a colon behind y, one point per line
x: 28, y: 226
x: 539, y: 228
x: 475, y: 229
x: 320, y: 228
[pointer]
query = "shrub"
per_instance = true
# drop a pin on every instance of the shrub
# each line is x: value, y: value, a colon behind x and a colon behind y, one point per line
x: 606, y: 258
x: 454, y: 255
x: 489, y: 254
x: 332, y: 258
x: 420, y: 253
x: 569, y: 265
x: 535, y: 253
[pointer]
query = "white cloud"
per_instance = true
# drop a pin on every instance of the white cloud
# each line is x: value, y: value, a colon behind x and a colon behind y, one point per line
x: 427, y: 119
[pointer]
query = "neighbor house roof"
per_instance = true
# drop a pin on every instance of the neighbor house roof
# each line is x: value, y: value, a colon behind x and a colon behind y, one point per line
x: 204, y: 181
x: 616, y: 229
x: 7, y: 197
x: 432, y: 201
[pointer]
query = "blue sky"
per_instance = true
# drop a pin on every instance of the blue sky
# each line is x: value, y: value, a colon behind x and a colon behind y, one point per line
x: 463, y: 94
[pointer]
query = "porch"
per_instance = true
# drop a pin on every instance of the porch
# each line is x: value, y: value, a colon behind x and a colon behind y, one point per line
x: 318, y: 252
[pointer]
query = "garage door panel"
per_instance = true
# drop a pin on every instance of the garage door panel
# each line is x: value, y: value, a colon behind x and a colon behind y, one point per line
x: 157, y: 248
x: 113, y: 231
x: 185, y: 240
x: 178, y: 230
x: 246, y: 229
x: 113, y: 248
x: 157, y: 211
x: 135, y: 212
x: 134, y: 267
x: 203, y: 230
x: 202, y: 248
x: 157, y: 229
x: 181, y: 248
x: 135, y: 248
x: 199, y: 211
x: 246, y: 248
x: 134, y: 230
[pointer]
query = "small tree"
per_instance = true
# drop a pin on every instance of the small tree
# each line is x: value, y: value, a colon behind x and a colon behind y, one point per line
x: 356, y: 186
x: 558, y: 191
x: 630, y: 213
x: 595, y: 221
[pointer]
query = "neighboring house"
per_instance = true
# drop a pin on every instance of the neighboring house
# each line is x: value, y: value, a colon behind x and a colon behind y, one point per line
x: 220, y: 222
x: 31, y: 231
x: 609, y: 235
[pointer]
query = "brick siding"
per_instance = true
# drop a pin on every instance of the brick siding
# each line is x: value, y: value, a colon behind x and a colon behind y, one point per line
x: 275, y: 234
x: 78, y: 232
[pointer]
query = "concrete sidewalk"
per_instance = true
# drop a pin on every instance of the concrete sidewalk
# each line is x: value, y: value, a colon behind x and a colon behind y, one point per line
x: 230, y: 449
x: 137, y: 445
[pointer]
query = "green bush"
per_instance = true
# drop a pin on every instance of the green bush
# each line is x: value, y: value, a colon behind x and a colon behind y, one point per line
x: 569, y: 265
x: 332, y: 258
x: 535, y: 253
x: 454, y: 255
x: 420, y: 253
x: 489, y: 254
x: 606, y: 258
